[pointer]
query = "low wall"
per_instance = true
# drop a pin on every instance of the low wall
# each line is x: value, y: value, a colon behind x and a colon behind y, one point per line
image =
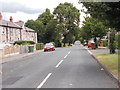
x: 11, y: 50
x: 1, y: 53
x: 14, y: 49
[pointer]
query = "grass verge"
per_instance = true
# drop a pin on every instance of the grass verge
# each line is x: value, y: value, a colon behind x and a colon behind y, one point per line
x: 110, y: 61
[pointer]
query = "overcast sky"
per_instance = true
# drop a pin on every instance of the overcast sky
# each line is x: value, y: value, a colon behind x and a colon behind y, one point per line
x: 30, y: 9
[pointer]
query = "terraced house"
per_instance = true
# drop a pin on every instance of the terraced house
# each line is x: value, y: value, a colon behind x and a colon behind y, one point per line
x: 14, y: 31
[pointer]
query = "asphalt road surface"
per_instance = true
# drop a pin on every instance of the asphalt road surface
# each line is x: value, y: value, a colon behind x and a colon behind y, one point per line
x: 71, y: 67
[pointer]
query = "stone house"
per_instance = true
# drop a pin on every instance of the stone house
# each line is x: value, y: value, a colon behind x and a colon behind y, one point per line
x: 14, y: 31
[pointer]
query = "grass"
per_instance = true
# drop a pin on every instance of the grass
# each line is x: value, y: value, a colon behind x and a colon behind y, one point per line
x: 110, y: 61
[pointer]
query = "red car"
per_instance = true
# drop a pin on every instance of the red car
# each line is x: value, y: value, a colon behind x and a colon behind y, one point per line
x: 49, y: 47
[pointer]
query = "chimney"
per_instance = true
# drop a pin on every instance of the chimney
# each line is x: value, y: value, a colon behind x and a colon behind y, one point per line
x: 11, y: 19
x: 0, y: 16
x: 20, y: 21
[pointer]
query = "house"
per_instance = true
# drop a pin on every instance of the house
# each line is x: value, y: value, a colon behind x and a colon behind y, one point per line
x: 27, y: 33
x: 14, y: 31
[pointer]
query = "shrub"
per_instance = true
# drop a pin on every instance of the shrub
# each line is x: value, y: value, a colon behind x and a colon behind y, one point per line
x: 59, y: 44
x: 53, y: 43
x: 105, y: 42
x: 24, y: 42
x: 117, y: 41
x: 39, y: 46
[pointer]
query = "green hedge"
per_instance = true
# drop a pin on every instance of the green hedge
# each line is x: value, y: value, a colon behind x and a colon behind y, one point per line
x: 105, y: 42
x: 39, y: 46
x: 24, y: 42
x: 59, y: 44
x: 117, y: 41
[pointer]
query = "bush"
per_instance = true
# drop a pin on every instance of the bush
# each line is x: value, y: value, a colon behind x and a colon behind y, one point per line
x: 117, y: 41
x: 53, y: 43
x: 39, y: 46
x: 59, y: 44
x: 105, y: 42
x: 24, y: 42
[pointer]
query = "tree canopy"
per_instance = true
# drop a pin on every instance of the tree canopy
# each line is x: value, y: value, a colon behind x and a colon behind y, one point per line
x: 68, y: 17
x: 61, y: 26
x: 107, y: 12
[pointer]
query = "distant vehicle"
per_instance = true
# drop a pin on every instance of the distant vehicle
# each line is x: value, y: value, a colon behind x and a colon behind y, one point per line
x: 49, y: 47
x: 85, y: 44
x: 77, y: 43
x: 90, y: 44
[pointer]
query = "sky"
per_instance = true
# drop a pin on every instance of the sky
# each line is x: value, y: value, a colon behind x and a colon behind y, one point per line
x: 30, y: 9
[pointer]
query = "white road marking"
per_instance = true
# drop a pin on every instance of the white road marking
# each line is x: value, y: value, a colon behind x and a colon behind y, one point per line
x: 89, y: 52
x: 85, y: 48
x: 66, y: 56
x: 42, y: 83
x: 0, y: 72
x: 69, y: 52
x: 59, y: 64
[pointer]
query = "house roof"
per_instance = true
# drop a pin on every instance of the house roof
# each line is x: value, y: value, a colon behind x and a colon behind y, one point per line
x: 18, y: 24
x: 21, y: 24
x: 8, y: 24
x: 29, y: 29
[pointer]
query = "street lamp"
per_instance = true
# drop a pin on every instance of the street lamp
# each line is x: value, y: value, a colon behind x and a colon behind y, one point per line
x: 108, y: 34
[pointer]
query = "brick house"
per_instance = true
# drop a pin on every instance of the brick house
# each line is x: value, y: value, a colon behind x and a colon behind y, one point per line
x: 14, y: 31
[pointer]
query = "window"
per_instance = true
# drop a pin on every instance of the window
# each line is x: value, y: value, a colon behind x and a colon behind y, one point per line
x: 11, y: 31
x: 3, y: 30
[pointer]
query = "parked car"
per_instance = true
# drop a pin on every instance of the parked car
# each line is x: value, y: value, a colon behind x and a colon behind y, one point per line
x: 49, y: 47
x: 90, y: 44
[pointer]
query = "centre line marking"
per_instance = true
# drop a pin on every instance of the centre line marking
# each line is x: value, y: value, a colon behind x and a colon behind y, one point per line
x: 59, y: 64
x: 42, y: 83
x: 66, y: 56
x: 69, y: 52
x: 89, y: 52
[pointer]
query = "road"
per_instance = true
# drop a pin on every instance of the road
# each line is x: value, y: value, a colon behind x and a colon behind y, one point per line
x: 71, y: 67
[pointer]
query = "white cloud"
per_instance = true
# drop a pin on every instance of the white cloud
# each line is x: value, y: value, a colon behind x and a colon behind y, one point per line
x: 38, y: 4
x: 20, y: 16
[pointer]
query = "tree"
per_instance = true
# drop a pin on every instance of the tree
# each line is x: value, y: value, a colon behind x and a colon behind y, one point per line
x: 112, y: 42
x: 37, y: 26
x: 31, y: 24
x: 45, y: 17
x: 68, y: 17
x: 93, y: 28
x: 40, y: 26
x: 107, y: 12
x: 53, y: 33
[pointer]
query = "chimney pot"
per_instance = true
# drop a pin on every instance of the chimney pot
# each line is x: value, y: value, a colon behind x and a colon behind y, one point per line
x: 11, y: 19
x: 0, y: 16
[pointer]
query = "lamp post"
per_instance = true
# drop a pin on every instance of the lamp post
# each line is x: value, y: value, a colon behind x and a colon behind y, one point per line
x: 108, y: 34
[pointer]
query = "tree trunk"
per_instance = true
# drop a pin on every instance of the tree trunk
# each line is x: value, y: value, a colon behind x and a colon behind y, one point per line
x: 112, y: 40
x: 95, y: 40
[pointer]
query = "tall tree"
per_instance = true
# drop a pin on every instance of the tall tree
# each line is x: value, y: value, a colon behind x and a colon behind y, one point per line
x: 69, y: 17
x: 45, y: 17
x: 37, y: 26
x: 107, y: 12
x: 93, y: 28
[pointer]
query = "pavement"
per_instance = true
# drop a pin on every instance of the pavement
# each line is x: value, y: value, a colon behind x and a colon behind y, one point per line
x: 70, y: 67
x: 100, y: 50
x: 18, y: 56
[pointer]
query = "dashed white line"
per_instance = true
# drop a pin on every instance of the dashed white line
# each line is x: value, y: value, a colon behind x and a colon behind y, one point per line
x: 89, y: 52
x: 69, y: 52
x: 85, y: 48
x: 42, y: 83
x: 66, y: 56
x: 59, y: 64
